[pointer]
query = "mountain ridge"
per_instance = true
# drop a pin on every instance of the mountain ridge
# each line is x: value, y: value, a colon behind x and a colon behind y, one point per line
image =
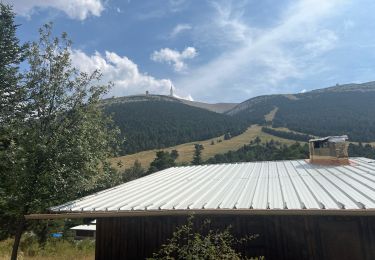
x: 220, y: 107
x: 158, y: 121
x: 341, y: 109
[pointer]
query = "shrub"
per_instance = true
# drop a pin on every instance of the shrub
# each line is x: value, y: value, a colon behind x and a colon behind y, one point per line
x: 212, y: 244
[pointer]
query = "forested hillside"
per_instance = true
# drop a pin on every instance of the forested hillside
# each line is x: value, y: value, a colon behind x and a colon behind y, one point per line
x: 153, y: 124
x: 273, y: 150
x: 257, y: 151
x: 347, y: 109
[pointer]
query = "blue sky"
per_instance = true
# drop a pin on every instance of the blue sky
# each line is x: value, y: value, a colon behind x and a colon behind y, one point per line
x: 213, y: 51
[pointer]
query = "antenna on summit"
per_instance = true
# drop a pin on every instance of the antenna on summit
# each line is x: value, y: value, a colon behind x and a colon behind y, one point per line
x: 171, y: 91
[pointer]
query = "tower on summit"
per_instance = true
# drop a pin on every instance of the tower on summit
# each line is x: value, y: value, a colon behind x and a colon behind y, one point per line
x: 171, y: 91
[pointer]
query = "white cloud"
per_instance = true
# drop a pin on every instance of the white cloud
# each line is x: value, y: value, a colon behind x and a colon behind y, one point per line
x: 325, y: 40
x: 229, y: 21
x: 260, y: 60
x: 123, y: 72
x: 179, y: 28
x: 188, y: 97
x: 177, y: 5
x: 76, y: 9
x: 174, y: 57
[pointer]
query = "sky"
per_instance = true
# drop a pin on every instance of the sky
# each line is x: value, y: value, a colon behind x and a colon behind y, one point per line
x: 212, y: 51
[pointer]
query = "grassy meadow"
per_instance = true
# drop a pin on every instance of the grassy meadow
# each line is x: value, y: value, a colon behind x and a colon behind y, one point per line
x: 54, y: 249
x: 186, y: 151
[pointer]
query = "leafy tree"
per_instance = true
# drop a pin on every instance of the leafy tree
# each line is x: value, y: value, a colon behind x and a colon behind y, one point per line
x: 189, y: 243
x: 163, y: 161
x: 197, y: 159
x: 62, y: 141
x: 12, y: 53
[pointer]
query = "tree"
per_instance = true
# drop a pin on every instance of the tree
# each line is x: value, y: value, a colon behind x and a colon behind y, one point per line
x: 135, y: 172
x: 12, y: 53
x: 62, y: 142
x: 197, y: 159
x: 227, y: 136
x: 163, y: 161
x: 174, y: 154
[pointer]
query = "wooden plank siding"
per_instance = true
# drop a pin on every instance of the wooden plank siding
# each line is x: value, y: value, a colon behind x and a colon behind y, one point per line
x: 280, y: 237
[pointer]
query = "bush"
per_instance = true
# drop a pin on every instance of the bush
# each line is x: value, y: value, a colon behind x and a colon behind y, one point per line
x: 212, y: 244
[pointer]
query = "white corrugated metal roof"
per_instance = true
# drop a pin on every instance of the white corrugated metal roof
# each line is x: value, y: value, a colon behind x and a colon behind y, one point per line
x: 85, y: 227
x: 293, y: 184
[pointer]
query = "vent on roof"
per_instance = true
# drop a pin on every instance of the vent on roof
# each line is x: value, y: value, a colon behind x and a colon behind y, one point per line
x: 331, y: 150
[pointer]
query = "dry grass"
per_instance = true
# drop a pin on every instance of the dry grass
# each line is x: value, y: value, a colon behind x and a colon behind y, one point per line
x: 291, y: 97
x: 53, y: 250
x: 271, y: 115
x: 186, y: 150
x: 76, y: 257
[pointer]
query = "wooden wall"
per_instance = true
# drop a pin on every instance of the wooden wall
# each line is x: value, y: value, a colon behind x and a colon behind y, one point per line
x: 280, y: 237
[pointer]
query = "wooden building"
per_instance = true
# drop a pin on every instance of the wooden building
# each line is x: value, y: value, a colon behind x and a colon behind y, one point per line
x: 300, y: 210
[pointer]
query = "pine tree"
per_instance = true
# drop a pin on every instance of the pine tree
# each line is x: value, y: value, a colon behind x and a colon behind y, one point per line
x: 162, y: 161
x: 197, y: 159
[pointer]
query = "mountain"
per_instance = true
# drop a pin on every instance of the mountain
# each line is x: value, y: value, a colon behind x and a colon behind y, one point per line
x: 341, y: 109
x: 216, y: 107
x: 156, y: 121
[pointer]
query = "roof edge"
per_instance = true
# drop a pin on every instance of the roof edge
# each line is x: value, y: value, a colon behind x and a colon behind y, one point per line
x: 255, y: 212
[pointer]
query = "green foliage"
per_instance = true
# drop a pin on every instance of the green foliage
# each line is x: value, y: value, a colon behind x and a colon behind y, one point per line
x: 197, y: 159
x: 255, y: 151
x: 152, y: 124
x: 287, y: 135
x: 135, y: 172
x: 361, y: 150
x: 163, y: 161
x: 189, y: 243
x: 227, y: 136
x: 323, y: 114
x: 174, y: 154
x: 319, y: 113
x: 61, y: 140
x: 12, y: 53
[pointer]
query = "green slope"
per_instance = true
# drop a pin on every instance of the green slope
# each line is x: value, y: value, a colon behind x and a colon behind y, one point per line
x: 153, y: 122
x: 347, y: 109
